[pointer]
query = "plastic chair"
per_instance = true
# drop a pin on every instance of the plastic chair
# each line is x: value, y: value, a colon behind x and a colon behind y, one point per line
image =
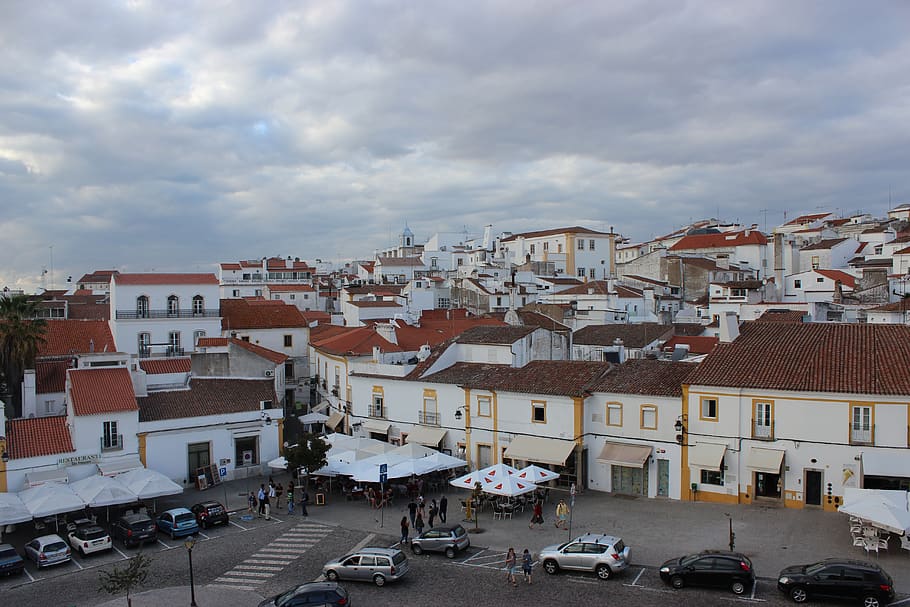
x: 905, y: 543
x: 870, y: 545
x: 497, y: 511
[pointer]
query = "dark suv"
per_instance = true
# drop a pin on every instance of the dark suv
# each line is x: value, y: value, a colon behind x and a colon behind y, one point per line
x: 134, y: 529
x: 710, y: 568
x: 210, y: 513
x: 449, y: 539
x: 838, y: 579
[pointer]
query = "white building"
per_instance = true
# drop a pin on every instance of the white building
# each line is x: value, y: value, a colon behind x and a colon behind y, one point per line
x: 253, y: 278
x: 816, y: 285
x: 574, y: 251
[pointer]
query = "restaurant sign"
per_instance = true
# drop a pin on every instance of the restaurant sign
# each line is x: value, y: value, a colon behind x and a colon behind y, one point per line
x: 79, y: 459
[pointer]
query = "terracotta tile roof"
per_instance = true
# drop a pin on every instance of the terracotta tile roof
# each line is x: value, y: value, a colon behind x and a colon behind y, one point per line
x: 37, y: 436
x: 530, y: 318
x: 560, y: 281
x: 740, y: 284
x: 277, y: 264
x: 632, y: 335
x: 646, y: 377
x: 492, y: 335
x: 316, y: 316
x: 719, y: 241
x: 166, y: 279
x: 901, y: 305
x: 50, y: 376
x: 653, y: 281
x: 594, y: 287
x: 700, y: 262
x: 212, y: 342
x: 553, y: 377
x: 98, y: 276
x: 230, y: 266
x: 372, y: 289
x: 822, y: 245
x: 101, y: 390
x: 259, y: 314
x: 207, y: 397
x: 688, y: 328
x: 320, y: 332
x: 553, y: 232
x: 76, y: 337
x: 812, y: 357
x: 787, y: 316
x: 361, y: 303
x: 403, y: 262
x: 697, y: 344
x: 368, y: 265
x: 355, y: 341
x: 156, y: 366
x: 804, y: 219
x: 847, y: 280
x: 271, y: 355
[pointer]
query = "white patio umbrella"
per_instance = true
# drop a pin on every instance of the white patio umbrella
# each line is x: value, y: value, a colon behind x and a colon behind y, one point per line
x: 508, y: 486
x: 880, y: 512
x: 12, y: 510
x: 98, y: 491
x: 50, y: 499
x: 439, y: 461
x: 313, y: 418
x: 149, y: 484
x: 413, y: 450
x: 468, y: 480
x: 536, y: 474
x: 279, y: 463
x: 367, y: 470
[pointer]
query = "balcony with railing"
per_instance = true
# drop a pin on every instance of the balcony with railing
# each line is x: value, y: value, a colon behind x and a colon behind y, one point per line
x: 762, y: 431
x: 112, y: 443
x: 428, y: 418
x: 860, y: 435
x: 377, y: 412
x: 157, y: 314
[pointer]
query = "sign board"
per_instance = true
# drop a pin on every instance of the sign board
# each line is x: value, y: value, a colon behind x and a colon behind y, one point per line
x: 383, y: 477
x: 225, y: 461
x: 222, y: 471
x: 383, y: 468
x: 247, y: 458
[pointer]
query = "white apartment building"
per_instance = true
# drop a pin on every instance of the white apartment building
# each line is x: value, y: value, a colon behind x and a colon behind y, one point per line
x: 253, y: 278
x: 574, y: 251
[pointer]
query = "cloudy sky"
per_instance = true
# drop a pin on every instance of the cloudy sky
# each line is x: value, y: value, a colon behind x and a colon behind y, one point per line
x: 169, y: 136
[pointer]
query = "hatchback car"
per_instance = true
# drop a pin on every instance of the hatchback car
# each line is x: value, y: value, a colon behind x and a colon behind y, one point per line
x: 48, y: 550
x: 838, y: 579
x: 10, y: 561
x: 311, y: 594
x: 210, y: 513
x: 89, y: 539
x: 134, y: 529
x: 449, y: 539
x: 379, y: 565
x: 602, y: 554
x: 713, y: 569
x: 177, y: 522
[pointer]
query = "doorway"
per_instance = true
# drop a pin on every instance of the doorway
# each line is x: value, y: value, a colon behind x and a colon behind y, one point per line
x: 198, y: 456
x: 663, y: 478
x: 484, y: 456
x: 630, y: 481
x: 814, y: 480
x: 767, y: 485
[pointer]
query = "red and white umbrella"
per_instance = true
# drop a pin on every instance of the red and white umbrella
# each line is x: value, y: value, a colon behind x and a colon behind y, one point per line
x: 536, y: 474
x: 508, y: 486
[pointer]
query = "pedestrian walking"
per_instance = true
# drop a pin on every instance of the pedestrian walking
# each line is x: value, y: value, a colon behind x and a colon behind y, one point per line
x: 404, y: 530
x: 290, y: 497
x: 421, y: 507
x: 418, y: 523
x: 434, y: 510
x: 268, y: 507
x: 537, y: 516
x: 510, y: 566
x: 304, y: 500
x: 279, y: 490
x: 443, y: 506
x: 260, y: 497
x: 271, y: 492
x: 527, y: 562
x: 251, y: 501
x: 412, y: 510
x: 562, y: 515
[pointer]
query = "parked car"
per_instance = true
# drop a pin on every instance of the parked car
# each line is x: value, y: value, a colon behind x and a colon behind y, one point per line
x: 838, y: 579
x: 177, y: 522
x: 379, y: 565
x: 602, y: 554
x: 90, y: 538
x: 48, y: 550
x: 447, y: 538
x: 210, y: 513
x: 311, y: 594
x: 10, y: 561
x: 133, y: 529
x: 711, y: 568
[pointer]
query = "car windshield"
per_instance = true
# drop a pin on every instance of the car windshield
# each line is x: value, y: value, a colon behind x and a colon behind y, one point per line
x: 459, y: 531
x: 185, y: 517
x: 619, y: 546
x: 54, y: 546
x: 816, y: 568
x: 94, y: 534
x: 7, y: 553
x: 688, y: 560
x: 399, y: 558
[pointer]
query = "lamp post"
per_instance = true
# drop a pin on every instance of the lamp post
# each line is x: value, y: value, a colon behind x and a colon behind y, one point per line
x: 189, y: 543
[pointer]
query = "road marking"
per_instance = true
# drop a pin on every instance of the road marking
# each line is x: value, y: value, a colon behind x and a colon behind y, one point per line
x: 75, y: 562
x: 237, y: 586
x: 166, y: 547
x: 240, y: 526
x: 635, y: 581
x: 118, y: 552
x: 203, y: 535
x: 900, y: 602
x: 234, y: 580
x: 263, y: 561
x: 257, y: 567
x: 28, y: 574
x: 234, y: 572
x: 754, y: 586
x: 274, y: 519
x: 278, y: 551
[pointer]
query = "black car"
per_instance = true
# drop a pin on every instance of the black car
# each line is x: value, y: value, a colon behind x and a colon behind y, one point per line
x: 838, y: 579
x: 712, y: 569
x: 10, y: 561
x: 311, y: 594
x: 134, y: 529
x: 210, y: 513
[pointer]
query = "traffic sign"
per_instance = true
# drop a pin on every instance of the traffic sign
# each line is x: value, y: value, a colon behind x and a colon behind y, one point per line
x: 383, y: 477
x: 383, y: 468
x: 222, y: 471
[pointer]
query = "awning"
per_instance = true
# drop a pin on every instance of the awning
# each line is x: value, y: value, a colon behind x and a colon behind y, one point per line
x: 45, y: 476
x: 706, y: 455
x: 334, y: 419
x: 117, y: 466
x: 886, y: 463
x: 543, y: 450
x: 425, y: 436
x: 624, y: 454
x: 765, y: 460
x: 379, y: 426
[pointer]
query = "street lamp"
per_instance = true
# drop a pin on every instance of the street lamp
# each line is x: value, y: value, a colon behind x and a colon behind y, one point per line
x: 458, y: 413
x: 188, y: 544
x: 680, y: 427
x: 5, y: 456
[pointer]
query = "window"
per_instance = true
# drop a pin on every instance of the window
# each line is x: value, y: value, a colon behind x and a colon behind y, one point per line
x: 581, y: 244
x: 258, y: 292
x: 591, y: 245
x: 246, y: 451
x: 288, y: 370
x: 648, y: 417
x: 235, y: 293
x: 145, y: 339
x: 377, y: 409
x: 861, y: 424
x: 712, y: 477
x: 708, y: 408
x: 276, y: 296
x: 198, y: 305
x: 559, y: 248
x: 173, y: 339
x: 581, y: 272
x: 288, y: 341
x: 546, y: 246
x: 538, y: 411
x: 819, y: 279
x: 763, y: 419
x: 533, y: 249
x: 614, y: 414
x: 142, y: 306
x: 110, y: 440
x: 429, y: 415
x: 173, y: 305
x: 592, y: 273
x: 483, y: 406
x: 197, y: 335
x: 443, y: 303
x: 797, y: 284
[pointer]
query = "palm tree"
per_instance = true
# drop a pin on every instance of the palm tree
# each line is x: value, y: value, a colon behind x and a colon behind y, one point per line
x: 21, y: 334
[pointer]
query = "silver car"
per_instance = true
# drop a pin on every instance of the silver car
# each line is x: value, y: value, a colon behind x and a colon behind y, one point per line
x: 602, y: 554
x: 447, y: 538
x: 48, y: 550
x: 377, y: 565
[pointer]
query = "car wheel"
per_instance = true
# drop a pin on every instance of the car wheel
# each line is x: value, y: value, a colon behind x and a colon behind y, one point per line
x: 416, y: 549
x: 331, y: 576
x: 551, y: 567
x: 738, y: 588
x: 379, y: 580
x: 450, y: 552
x: 604, y: 572
x: 799, y: 594
x: 871, y: 601
x: 677, y: 581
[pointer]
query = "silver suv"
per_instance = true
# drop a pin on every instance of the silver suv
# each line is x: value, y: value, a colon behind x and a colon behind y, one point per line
x: 379, y: 565
x: 447, y: 538
x: 602, y: 554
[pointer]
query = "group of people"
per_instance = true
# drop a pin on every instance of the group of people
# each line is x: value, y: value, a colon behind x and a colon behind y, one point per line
x: 527, y: 564
x: 419, y: 511
x: 261, y: 502
x: 562, y: 515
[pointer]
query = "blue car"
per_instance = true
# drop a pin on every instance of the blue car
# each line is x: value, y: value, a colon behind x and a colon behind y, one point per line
x: 10, y: 561
x: 177, y: 522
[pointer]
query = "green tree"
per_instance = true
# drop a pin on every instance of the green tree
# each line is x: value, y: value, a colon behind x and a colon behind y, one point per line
x: 125, y: 579
x: 21, y: 335
x: 309, y: 454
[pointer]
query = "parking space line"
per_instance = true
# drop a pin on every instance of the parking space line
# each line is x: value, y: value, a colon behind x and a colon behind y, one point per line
x: 754, y: 586
x: 901, y: 602
x: 276, y: 519
x: 237, y: 525
x: 28, y: 574
x: 640, y: 573
x: 166, y: 547
x: 120, y: 553
x: 474, y: 556
x: 203, y: 535
x: 76, y: 563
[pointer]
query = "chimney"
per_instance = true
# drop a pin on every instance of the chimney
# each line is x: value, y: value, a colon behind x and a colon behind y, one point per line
x: 729, y: 327
x: 377, y: 354
x: 29, y: 395
x: 3, y: 422
x: 778, y: 265
x: 648, y: 296
x: 488, y: 237
x: 387, y: 331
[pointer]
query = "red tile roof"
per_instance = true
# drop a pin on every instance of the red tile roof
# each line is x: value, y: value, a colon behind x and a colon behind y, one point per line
x: 403, y: 262
x: 804, y: 219
x: 316, y: 316
x: 101, y: 390
x: 208, y: 397
x: 230, y: 266
x: 787, y: 316
x: 212, y: 342
x: 719, y: 241
x: 361, y: 303
x: 553, y: 232
x: 277, y: 264
x: 646, y: 377
x: 50, y: 376
x: 76, y: 337
x: 697, y: 345
x: 98, y: 276
x: 837, y: 275
x: 156, y: 366
x: 259, y: 314
x: 270, y: 355
x: 812, y: 357
x: 37, y: 436
x: 822, y: 245
x: 554, y: 377
x: 166, y: 279
x: 356, y: 341
x: 636, y: 335
x: 494, y: 335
